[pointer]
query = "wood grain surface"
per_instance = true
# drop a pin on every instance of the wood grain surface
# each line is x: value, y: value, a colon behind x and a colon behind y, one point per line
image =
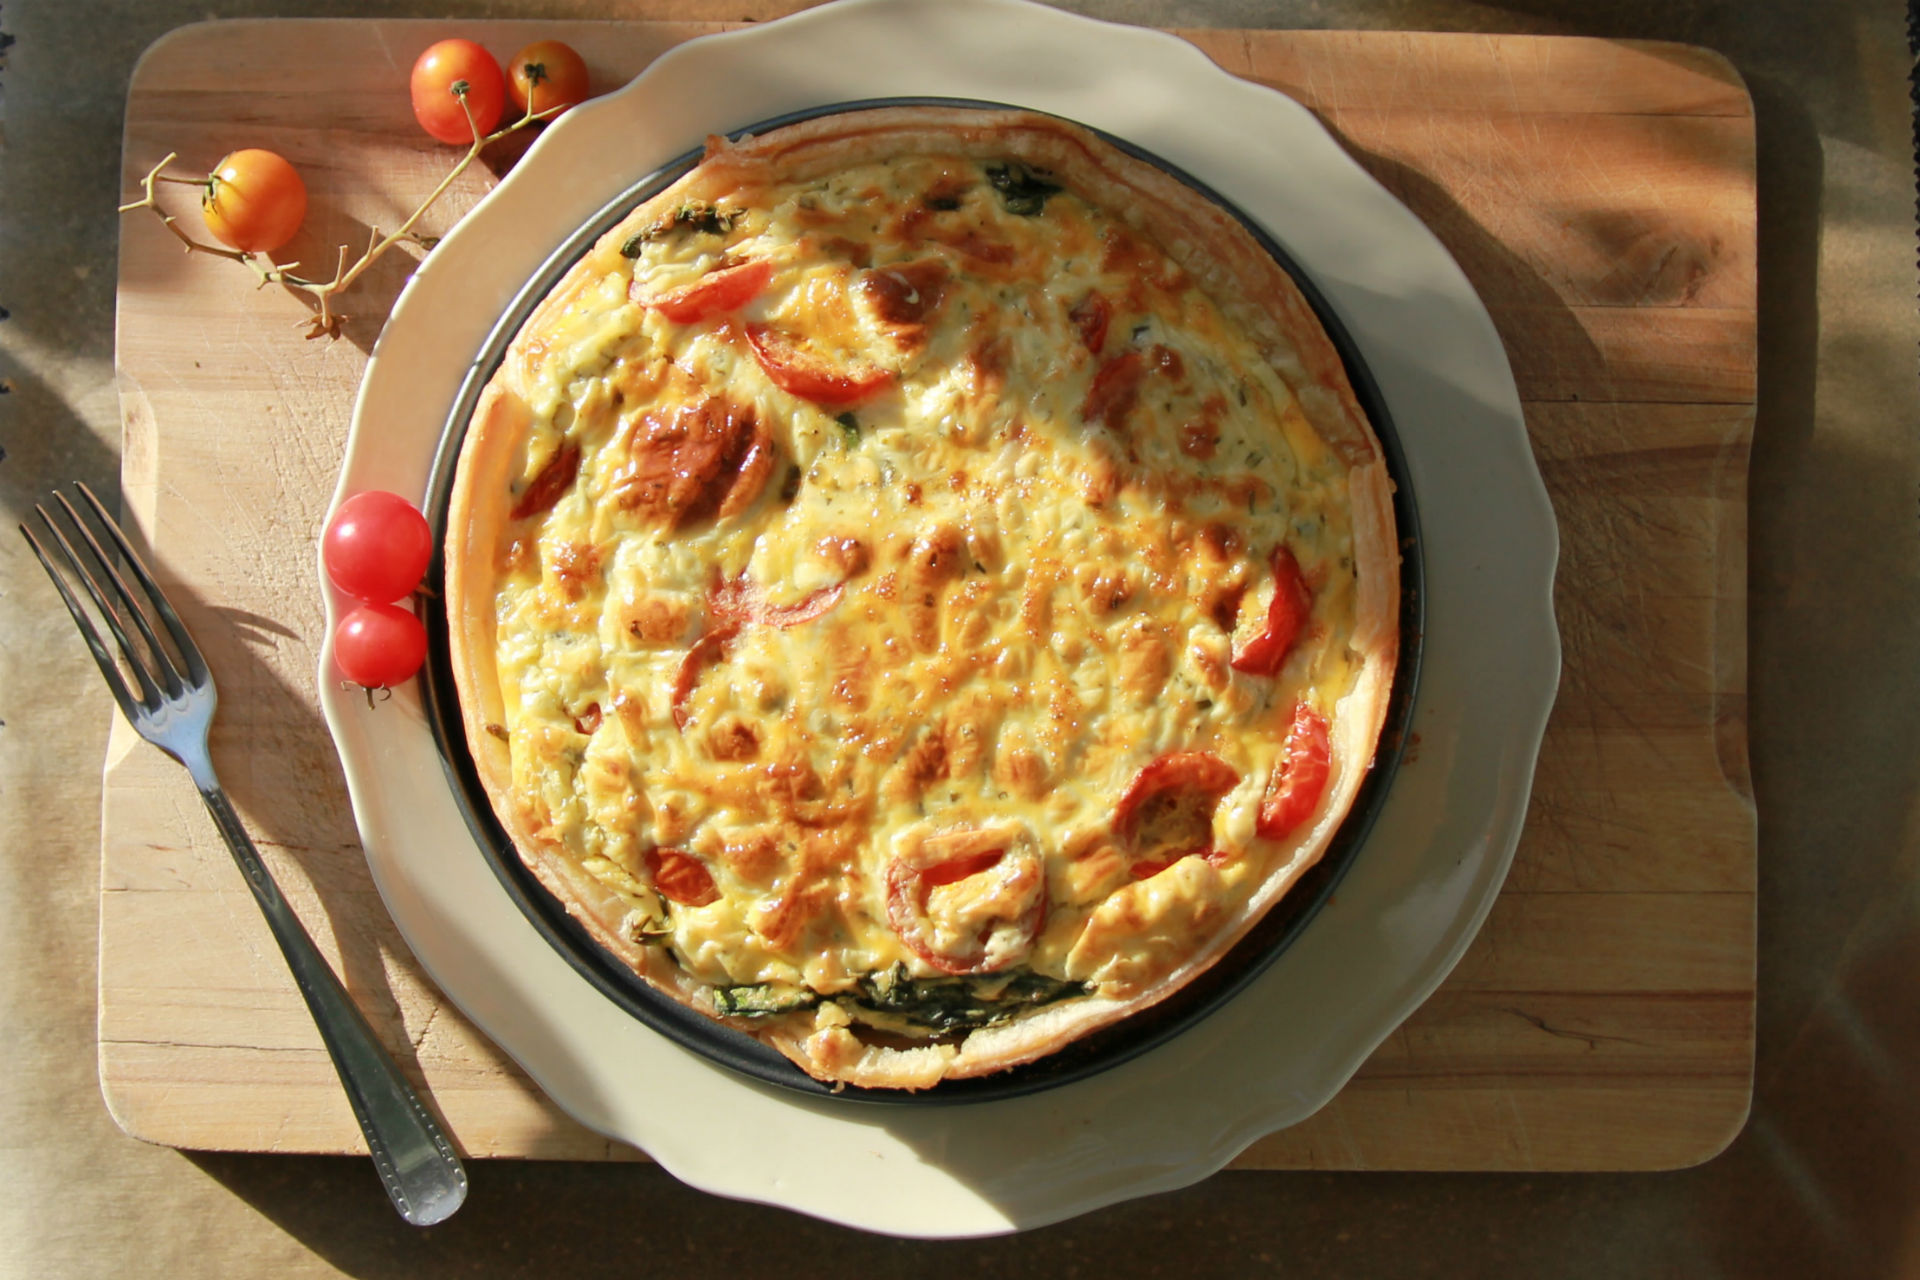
x: 1599, y: 195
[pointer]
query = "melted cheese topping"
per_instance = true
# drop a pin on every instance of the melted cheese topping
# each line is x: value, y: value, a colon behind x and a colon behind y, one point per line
x: 950, y: 526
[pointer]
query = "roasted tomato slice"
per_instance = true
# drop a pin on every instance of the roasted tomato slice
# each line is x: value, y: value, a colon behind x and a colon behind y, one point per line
x: 1265, y: 652
x: 1114, y: 392
x: 1299, y: 779
x: 1147, y: 867
x: 704, y: 458
x: 706, y: 650
x: 972, y: 244
x: 994, y: 905
x: 803, y: 374
x: 1090, y: 316
x: 905, y: 293
x: 553, y: 481
x: 682, y: 878
x: 1171, y: 801
x: 736, y: 603
x: 792, y: 615
x: 739, y: 600
x: 714, y: 294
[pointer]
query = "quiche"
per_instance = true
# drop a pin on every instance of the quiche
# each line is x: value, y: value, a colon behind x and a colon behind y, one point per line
x: 920, y: 588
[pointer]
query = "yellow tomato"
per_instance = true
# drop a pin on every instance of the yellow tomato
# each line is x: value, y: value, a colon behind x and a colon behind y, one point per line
x: 255, y: 201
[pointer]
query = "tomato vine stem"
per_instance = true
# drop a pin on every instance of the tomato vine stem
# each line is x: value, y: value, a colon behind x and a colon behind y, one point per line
x: 326, y: 321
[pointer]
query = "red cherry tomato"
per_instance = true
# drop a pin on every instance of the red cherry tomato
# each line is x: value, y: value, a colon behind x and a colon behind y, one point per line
x: 378, y: 646
x: 1266, y: 651
x: 377, y: 547
x: 255, y: 201
x: 803, y: 374
x: 1299, y: 779
x: 437, y: 83
x: 681, y: 878
x: 713, y: 294
x: 547, y: 75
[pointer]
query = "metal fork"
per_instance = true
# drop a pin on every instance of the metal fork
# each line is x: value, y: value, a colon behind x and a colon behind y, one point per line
x: 173, y: 708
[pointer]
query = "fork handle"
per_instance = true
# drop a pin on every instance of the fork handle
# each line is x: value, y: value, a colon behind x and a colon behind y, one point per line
x: 418, y: 1168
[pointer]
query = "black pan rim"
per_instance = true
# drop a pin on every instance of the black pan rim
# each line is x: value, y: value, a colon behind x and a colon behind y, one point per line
x: 1100, y: 1051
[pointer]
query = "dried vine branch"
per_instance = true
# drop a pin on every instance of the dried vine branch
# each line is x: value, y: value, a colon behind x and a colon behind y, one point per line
x: 326, y: 321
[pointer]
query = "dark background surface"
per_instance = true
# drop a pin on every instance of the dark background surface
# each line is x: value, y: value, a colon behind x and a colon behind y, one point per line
x: 1825, y: 1179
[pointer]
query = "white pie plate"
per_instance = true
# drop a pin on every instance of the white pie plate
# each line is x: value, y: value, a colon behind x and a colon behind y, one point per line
x: 1416, y: 892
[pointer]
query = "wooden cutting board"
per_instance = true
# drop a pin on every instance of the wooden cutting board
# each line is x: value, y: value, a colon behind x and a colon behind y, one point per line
x: 1601, y: 197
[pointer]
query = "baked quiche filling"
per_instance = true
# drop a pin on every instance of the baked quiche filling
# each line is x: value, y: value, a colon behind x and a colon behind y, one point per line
x: 910, y: 603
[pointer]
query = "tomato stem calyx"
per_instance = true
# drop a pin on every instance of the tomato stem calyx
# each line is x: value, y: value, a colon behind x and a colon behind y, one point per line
x: 385, y: 692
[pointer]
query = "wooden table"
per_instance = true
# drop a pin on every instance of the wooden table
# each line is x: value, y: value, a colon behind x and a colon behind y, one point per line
x: 1600, y: 195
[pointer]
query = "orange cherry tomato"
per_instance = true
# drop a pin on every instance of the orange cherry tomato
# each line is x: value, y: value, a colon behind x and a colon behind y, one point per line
x: 255, y: 201
x: 446, y: 72
x: 547, y: 77
x: 1299, y: 779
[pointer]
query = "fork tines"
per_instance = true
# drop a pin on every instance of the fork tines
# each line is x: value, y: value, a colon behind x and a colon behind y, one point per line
x: 77, y: 553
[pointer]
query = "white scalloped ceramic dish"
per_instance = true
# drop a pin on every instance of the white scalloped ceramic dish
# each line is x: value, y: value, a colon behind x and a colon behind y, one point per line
x: 1413, y: 898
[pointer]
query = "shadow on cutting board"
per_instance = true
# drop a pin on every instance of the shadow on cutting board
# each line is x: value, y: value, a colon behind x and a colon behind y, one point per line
x: 1823, y: 1181
x: 276, y: 761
